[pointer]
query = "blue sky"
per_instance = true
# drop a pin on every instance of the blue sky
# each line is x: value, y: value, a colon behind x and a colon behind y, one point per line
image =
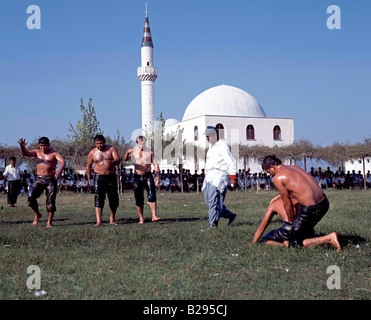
x: 279, y: 51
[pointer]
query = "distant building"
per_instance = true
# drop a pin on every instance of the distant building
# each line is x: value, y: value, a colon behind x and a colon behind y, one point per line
x: 357, y: 165
x: 236, y: 114
x: 239, y: 119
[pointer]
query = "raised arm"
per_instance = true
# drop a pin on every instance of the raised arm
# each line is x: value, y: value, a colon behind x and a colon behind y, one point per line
x: 22, y: 143
x: 127, y: 155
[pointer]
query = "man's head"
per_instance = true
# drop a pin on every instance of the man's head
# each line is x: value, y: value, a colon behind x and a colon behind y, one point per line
x: 44, y: 144
x: 211, y: 134
x: 12, y: 161
x: 100, y: 142
x: 270, y: 163
x: 141, y: 142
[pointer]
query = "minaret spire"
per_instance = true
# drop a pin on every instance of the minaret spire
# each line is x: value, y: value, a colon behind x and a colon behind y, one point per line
x: 147, y: 38
x: 147, y: 75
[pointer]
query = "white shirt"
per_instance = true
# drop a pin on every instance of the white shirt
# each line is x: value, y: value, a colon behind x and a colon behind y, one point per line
x: 219, y: 166
x: 12, y: 173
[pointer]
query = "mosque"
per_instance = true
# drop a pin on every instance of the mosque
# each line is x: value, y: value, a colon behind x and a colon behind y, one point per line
x: 237, y: 115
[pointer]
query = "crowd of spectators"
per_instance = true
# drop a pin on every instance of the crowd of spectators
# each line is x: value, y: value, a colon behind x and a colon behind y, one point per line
x: 171, y: 181
x: 339, y: 179
x: 69, y: 181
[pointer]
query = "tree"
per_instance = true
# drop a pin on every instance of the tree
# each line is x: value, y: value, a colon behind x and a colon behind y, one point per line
x: 87, y: 128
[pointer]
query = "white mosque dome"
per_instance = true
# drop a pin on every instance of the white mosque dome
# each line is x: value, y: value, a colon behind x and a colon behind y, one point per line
x: 224, y: 100
x: 170, y: 122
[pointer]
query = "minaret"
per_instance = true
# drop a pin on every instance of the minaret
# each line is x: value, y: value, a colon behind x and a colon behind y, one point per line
x: 147, y: 74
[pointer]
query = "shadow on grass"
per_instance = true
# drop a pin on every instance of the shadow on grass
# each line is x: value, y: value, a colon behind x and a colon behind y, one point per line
x: 30, y: 221
x: 162, y: 221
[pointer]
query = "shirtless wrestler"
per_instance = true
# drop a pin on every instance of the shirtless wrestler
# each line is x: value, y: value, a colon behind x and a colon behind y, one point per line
x: 46, y: 180
x: 104, y: 158
x: 293, y: 182
x: 142, y: 158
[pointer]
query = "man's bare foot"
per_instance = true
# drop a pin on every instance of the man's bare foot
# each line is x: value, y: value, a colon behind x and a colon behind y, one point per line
x: 154, y: 219
x: 37, y: 218
x: 334, y: 241
x: 49, y: 225
x: 97, y: 225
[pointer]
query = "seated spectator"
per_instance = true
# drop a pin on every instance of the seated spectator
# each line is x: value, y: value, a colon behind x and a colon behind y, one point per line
x: 323, y: 181
x: 329, y: 180
x: 81, y: 184
x: 348, y: 183
x: 189, y: 182
x: 368, y: 180
x: 71, y: 185
x: 254, y: 181
x: 63, y: 186
x: 248, y: 182
x: 241, y: 182
x: 360, y: 179
x: 164, y: 183
x: 174, y: 184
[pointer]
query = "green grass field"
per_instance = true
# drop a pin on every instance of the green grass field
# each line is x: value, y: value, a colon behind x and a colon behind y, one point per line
x: 179, y: 258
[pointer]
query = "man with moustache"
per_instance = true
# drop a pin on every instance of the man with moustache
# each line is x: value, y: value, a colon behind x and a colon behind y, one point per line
x: 105, y: 158
x: 46, y: 179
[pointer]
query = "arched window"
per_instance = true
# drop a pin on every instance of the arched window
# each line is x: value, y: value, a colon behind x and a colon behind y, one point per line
x: 277, y: 133
x: 196, y: 133
x: 250, y: 132
x: 219, y: 127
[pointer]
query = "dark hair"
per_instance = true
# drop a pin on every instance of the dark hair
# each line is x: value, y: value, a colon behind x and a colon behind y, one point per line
x: 12, y: 158
x: 44, y: 140
x: 142, y: 138
x: 270, y: 160
x: 99, y: 137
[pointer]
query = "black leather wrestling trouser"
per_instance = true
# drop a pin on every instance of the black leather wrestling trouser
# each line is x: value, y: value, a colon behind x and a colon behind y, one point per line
x: 106, y: 184
x: 14, y: 187
x: 306, y: 220
x: 141, y: 182
x: 282, y: 234
x: 41, y: 184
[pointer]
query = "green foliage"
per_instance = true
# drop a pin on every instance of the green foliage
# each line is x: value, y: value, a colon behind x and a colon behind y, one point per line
x: 87, y: 128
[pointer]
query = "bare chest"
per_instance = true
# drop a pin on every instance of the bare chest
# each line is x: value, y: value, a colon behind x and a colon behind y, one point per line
x: 100, y: 156
x: 45, y: 158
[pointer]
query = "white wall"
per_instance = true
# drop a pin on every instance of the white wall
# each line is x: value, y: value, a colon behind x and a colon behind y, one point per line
x: 234, y: 132
x: 357, y: 165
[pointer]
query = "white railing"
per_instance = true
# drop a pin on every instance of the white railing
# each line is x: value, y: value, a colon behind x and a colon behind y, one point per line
x: 148, y: 70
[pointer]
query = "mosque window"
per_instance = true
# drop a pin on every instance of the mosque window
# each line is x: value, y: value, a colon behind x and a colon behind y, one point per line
x: 277, y: 133
x: 196, y: 133
x: 250, y: 132
x: 220, y: 128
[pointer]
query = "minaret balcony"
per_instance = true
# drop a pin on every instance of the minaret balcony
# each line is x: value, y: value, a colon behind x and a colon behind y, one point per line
x: 147, y: 70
